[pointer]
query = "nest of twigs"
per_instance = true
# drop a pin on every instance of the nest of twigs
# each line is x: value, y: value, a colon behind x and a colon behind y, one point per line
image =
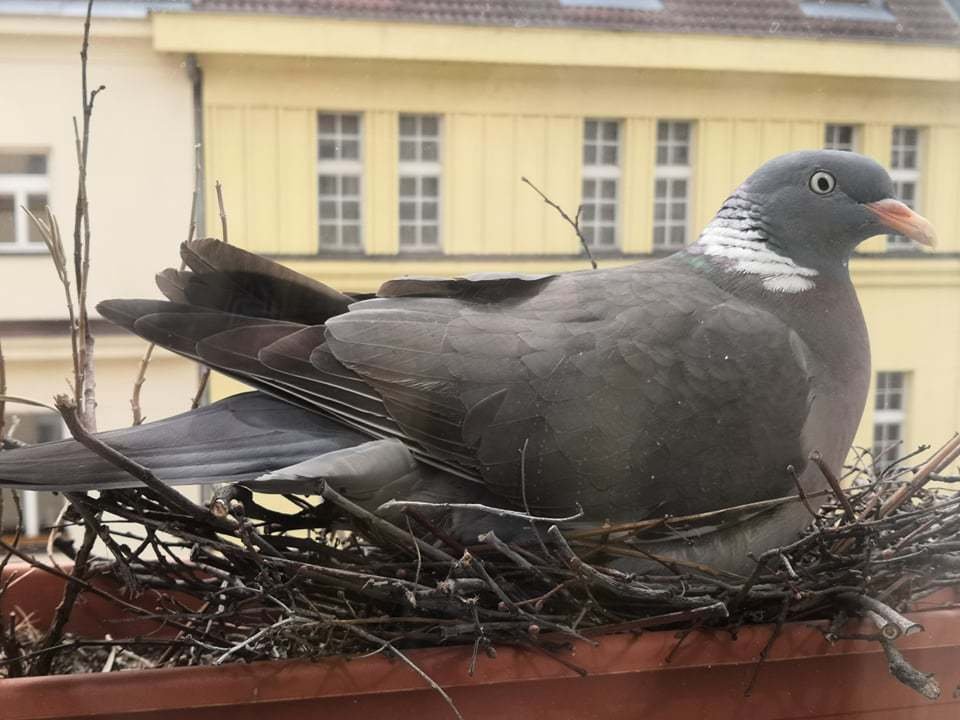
x: 253, y: 583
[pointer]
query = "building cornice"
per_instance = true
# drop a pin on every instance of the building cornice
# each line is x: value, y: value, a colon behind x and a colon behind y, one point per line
x: 313, y: 37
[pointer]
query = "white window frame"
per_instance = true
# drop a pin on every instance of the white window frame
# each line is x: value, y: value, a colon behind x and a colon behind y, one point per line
x: 30, y: 499
x: 832, y: 143
x: 598, y: 172
x: 901, y: 176
x: 20, y: 185
x: 671, y: 172
x: 419, y: 170
x: 889, y: 416
x: 340, y: 168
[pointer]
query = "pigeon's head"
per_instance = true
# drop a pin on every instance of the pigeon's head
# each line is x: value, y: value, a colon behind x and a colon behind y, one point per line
x: 823, y: 203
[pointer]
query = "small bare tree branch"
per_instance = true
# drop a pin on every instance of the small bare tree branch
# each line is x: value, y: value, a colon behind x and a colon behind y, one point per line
x: 85, y: 390
x: 138, y: 382
x: 574, y: 223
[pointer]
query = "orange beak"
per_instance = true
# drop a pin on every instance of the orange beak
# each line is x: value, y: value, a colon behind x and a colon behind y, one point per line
x: 901, y: 219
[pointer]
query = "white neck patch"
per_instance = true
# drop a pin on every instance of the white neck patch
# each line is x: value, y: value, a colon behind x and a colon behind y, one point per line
x: 742, y: 246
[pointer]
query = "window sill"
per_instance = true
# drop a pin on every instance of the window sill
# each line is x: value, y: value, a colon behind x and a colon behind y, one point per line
x: 40, y: 250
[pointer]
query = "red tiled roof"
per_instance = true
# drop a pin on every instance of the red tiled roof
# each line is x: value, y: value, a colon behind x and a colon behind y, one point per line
x: 923, y: 21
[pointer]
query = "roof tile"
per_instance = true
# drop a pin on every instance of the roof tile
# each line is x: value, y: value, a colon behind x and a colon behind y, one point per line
x: 918, y: 21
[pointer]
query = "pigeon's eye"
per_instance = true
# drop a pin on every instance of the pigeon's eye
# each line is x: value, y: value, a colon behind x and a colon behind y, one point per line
x: 822, y: 182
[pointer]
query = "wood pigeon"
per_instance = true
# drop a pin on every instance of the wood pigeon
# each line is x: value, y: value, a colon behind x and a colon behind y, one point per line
x: 672, y: 386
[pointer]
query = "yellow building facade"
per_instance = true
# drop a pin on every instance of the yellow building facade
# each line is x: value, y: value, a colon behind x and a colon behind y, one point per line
x: 514, y: 102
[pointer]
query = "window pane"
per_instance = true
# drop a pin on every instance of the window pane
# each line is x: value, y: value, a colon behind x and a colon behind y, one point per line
x: 608, y: 189
x: 328, y: 210
x: 350, y: 150
x: 430, y: 125
x: 351, y: 235
x: 7, y: 229
x: 681, y: 131
x: 679, y: 189
x: 429, y: 150
x: 328, y: 235
x: 609, y: 155
x: 608, y: 212
x: 328, y: 185
x: 408, y: 187
x: 678, y: 211
x: 36, y: 205
x: 662, y: 155
x: 659, y: 236
x: 430, y: 186
x: 326, y: 123
x: 681, y: 155
x: 590, y: 130
x: 408, y: 150
x: 429, y: 235
x: 677, y: 235
x: 589, y: 154
x: 659, y: 211
x: 610, y: 131
x: 589, y: 212
x: 350, y: 185
x: 660, y: 189
x: 408, y: 211
x: 607, y: 236
x: 23, y: 164
x: 428, y: 211
x: 407, y: 234
x: 663, y: 131
x: 328, y: 150
x: 589, y: 188
x: 350, y: 124
x: 408, y: 125
x: 350, y: 210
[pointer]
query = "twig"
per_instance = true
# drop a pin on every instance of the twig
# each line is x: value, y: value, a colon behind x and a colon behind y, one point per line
x: 138, y: 385
x: 17, y: 534
x: 889, y: 618
x: 86, y: 387
x: 391, y: 530
x: 148, y: 353
x: 841, y: 496
x: 3, y: 391
x: 204, y: 377
x: 575, y: 224
x: 71, y: 592
x: 223, y: 213
x: 924, y: 683
x: 774, y: 634
x: 407, y: 661
x: 942, y: 459
x: 202, y: 381
x: 499, y: 512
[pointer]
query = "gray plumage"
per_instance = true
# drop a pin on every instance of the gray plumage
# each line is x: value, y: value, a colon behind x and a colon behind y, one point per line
x: 675, y: 386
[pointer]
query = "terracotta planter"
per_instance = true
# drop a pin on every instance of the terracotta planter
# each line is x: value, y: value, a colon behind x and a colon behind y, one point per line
x: 804, y: 677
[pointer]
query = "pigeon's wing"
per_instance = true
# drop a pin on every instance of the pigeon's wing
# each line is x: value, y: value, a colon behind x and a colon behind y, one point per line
x: 612, y: 386
x: 236, y: 439
x: 232, y: 312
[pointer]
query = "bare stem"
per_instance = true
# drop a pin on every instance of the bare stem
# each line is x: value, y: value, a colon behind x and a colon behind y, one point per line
x: 85, y: 389
x: 574, y: 223
x: 223, y: 214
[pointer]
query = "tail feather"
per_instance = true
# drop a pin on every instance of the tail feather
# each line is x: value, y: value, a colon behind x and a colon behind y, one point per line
x: 232, y: 280
x: 232, y: 440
